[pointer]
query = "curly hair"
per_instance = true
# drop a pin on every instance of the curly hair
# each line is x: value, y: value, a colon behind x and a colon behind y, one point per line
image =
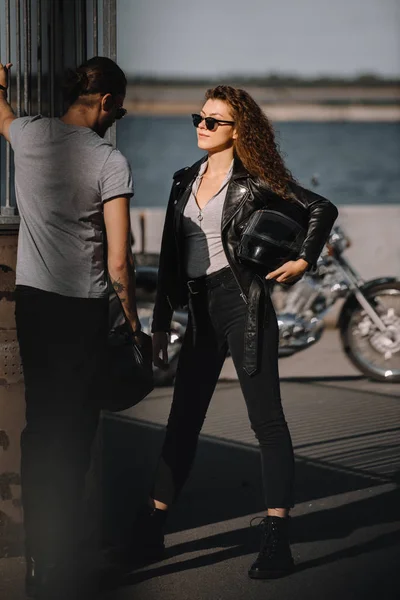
x: 255, y: 145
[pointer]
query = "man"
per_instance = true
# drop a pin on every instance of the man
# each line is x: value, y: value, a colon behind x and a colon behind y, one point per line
x: 73, y: 190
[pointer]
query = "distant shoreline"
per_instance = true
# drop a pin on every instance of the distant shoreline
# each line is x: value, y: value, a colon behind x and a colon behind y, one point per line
x: 283, y: 103
x: 282, y: 112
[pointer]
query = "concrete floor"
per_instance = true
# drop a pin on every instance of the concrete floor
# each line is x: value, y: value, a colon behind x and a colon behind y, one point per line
x: 345, y: 526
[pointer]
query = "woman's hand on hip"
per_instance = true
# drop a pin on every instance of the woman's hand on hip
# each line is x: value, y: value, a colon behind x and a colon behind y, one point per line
x: 290, y: 271
x: 160, y: 349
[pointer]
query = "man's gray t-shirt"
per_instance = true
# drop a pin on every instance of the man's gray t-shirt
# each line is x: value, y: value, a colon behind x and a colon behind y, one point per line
x: 63, y: 175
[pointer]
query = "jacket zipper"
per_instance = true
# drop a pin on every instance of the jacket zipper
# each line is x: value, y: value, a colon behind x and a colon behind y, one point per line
x: 177, y: 239
x: 242, y: 294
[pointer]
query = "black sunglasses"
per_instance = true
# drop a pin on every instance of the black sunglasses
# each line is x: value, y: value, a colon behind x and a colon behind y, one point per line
x: 210, y: 122
x: 120, y: 113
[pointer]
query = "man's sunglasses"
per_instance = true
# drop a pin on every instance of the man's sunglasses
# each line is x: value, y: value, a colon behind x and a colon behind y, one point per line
x: 210, y: 122
x: 120, y: 113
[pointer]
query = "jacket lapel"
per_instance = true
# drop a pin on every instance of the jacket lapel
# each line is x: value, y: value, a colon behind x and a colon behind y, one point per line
x: 184, y: 185
x: 237, y: 192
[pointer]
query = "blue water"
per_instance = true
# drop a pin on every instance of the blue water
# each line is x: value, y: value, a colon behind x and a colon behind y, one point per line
x: 356, y: 163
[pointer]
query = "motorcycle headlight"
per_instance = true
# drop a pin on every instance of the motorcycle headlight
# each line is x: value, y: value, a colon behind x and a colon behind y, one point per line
x: 338, y: 241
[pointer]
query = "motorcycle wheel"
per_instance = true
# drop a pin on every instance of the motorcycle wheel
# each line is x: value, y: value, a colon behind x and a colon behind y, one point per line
x: 375, y: 354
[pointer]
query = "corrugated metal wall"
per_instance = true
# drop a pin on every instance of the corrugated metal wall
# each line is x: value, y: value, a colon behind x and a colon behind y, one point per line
x: 42, y: 38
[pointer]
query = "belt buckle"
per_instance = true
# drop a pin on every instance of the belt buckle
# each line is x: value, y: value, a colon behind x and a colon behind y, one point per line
x: 188, y: 283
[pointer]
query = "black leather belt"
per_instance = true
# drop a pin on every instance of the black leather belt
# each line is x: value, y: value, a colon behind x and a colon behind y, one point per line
x: 208, y: 282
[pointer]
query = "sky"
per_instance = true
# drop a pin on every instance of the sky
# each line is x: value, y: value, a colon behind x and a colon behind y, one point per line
x: 254, y: 37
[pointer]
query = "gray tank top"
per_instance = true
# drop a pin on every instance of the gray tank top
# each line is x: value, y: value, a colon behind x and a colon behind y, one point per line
x: 204, y: 253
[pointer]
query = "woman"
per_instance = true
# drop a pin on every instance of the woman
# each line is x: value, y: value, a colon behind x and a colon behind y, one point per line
x: 73, y: 190
x: 242, y: 171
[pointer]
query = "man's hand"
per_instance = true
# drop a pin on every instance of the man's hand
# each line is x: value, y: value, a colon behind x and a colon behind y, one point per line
x: 137, y: 336
x: 160, y: 350
x: 4, y: 74
x: 290, y: 271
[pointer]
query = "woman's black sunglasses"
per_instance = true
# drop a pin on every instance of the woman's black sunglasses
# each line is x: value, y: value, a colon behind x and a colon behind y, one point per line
x: 210, y: 122
x: 120, y: 113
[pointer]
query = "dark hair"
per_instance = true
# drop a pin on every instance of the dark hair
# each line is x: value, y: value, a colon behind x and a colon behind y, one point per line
x: 255, y: 145
x: 98, y: 75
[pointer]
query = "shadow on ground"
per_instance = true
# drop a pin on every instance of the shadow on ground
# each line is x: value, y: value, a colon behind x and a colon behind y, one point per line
x: 226, y: 484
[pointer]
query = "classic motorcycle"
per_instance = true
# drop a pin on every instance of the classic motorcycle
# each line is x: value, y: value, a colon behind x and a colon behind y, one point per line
x: 369, y: 320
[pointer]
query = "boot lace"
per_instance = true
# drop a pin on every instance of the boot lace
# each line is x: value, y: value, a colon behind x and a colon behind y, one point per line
x: 269, y: 541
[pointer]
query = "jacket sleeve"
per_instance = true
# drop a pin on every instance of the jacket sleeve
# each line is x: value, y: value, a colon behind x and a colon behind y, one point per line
x: 322, y: 215
x: 163, y: 308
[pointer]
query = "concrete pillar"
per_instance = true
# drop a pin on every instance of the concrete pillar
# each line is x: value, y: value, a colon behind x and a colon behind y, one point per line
x: 12, y: 405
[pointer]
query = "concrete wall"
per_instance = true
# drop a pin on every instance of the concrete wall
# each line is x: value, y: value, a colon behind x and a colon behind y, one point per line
x: 12, y: 406
x: 375, y: 235
x: 374, y: 232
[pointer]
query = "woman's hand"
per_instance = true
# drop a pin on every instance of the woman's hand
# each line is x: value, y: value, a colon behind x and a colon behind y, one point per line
x: 160, y: 350
x: 290, y: 271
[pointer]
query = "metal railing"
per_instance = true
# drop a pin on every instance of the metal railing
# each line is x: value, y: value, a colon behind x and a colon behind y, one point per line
x: 42, y: 38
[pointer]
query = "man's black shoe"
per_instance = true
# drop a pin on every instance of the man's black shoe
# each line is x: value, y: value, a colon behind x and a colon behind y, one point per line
x: 275, y: 557
x: 36, y: 577
x: 31, y: 578
x: 67, y: 581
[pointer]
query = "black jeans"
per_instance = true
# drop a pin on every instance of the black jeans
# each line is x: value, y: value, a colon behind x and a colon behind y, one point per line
x: 62, y: 341
x: 216, y: 323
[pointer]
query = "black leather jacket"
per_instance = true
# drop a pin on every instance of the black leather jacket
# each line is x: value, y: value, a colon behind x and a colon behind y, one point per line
x: 245, y: 194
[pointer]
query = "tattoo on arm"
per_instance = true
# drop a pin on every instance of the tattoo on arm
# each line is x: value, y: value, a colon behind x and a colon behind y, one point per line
x: 119, y: 289
x: 124, y: 286
x: 118, y: 286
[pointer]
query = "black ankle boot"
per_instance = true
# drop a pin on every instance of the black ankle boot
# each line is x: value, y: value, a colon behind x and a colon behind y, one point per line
x: 147, y: 539
x: 275, y: 557
x: 148, y: 533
